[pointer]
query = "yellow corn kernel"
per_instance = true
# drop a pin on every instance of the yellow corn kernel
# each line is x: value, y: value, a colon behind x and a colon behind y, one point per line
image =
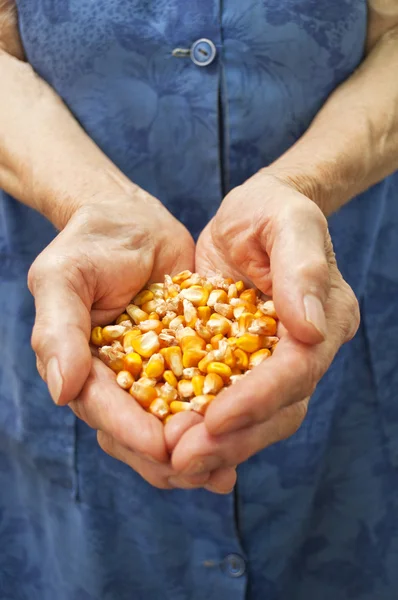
x: 173, y: 358
x: 170, y: 289
x: 199, y: 404
x: 263, y: 326
x: 217, y: 297
x: 208, y: 347
x: 204, y: 363
x: 213, y: 383
x: 232, y: 291
x: 196, y: 294
x: 226, y: 310
x: 170, y: 378
x: 179, y: 406
x: 167, y: 419
x: 182, y: 332
x: 240, y: 286
x: 168, y: 317
x: 142, y: 297
x: 244, y: 321
x: 112, y: 357
x: 150, y: 306
x: 268, y: 308
x: 220, y: 368
x: 270, y: 341
x: 202, y: 331
x: 155, y: 366
x: 112, y: 333
x: 124, y: 379
x: 242, y: 359
x: 198, y: 383
x: 249, y: 342
x: 136, y: 314
x: 168, y: 393
x: 249, y: 295
x: 144, y: 394
x: 238, y: 311
x: 185, y: 388
x: 159, y: 408
x: 192, y: 356
x: 204, y: 313
x: 153, y: 316
x: 97, y: 337
x: 190, y: 313
x: 257, y: 357
x: 148, y: 381
x: 216, y: 339
x: 190, y: 372
x: 121, y: 318
x: 128, y: 337
x: 232, y: 342
x: 229, y: 357
x: 180, y: 277
x: 192, y: 342
x: 177, y: 322
x: 156, y: 289
x: 195, y: 279
x: 151, y: 325
x: 258, y: 314
x: 146, y: 344
x: 133, y: 363
x: 218, y: 324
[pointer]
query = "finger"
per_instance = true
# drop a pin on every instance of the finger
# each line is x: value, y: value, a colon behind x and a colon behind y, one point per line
x: 300, y: 271
x: 61, y: 332
x: 106, y: 407
x: 198, y: 451
x: 178, y: 425
x: 222, y: 481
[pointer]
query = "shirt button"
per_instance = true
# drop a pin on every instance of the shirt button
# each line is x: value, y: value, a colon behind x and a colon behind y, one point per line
x: 234, y: 565
x: 203, y: 52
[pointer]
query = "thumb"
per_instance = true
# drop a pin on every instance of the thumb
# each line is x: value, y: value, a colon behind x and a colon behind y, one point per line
x: 60, y: 334
x: 300, y: 274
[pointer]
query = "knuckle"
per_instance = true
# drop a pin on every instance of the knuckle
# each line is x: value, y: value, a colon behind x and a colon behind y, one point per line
x: 316, y: 270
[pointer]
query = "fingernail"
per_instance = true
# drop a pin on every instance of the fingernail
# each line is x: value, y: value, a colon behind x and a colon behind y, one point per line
x: 54, y: 379
x: 215, y: 490
x: 206, y: 463
x: 315, y: 314
x: 234, y: 424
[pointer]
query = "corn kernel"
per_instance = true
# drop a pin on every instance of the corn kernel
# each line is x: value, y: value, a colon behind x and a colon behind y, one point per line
x: 238, y: 311
x: 136, y: 314
x: 142, y: 297
x: 121, y: 318
x: 150, y: 306
x: 170, y: 289
x: 199, y: 404
x: 209, y: 347
x: 192, y: 356
x: 216, y: 339
x: 218, y: 324
x: 180, y: 277
x: 173, y: 358
x: 153, y: 316
x: 244, y: 321
x: 144, y: 394
x: 232, y: 342
x: 176, y: 322
x: 249, y: 295
x: 155, y: 366
x: 268, y: 309
x: 133, y: 363
x: 213, y: 383
x: 204, y: 313
x: 202, y: 331
x: 156, y: 289
x: 110, y: 333
x: 257, y: 357
x: 190, y: 313
x: 168, y: 317
x: 198, y: 383
x: 166, y: 340
x: 97, y: 337
x: 179, y: 406
x: 190, y: 372
x: 229, y: 357
x: 124, y: 379
x: 217, y: 297
x: 192, y: 342
x: 249, y: 342
x: 159, y: 408
x: 146, y: 344
x: 232, y: 291
x: 183, y: 332
x: 185, y: 388
x: 168, y: 393
x: 242, y: 359
x: 151, y: 325
x: 170, y: 378
x: 226, y: 310
x: 112, y: 358
x: 263, y: 326
x: 270, y: 341
x: 148, y: 381
x: 204, y: 363
x: 195, y: 279
x: 240, y: 286
x: 197, y: 295
x: 220, y: 369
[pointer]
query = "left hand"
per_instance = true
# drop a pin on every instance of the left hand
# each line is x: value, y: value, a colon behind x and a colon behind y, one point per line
x: 266, y: 232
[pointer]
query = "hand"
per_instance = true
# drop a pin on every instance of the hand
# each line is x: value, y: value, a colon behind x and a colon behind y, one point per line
x: 268, y: 233
x: 106, y: 253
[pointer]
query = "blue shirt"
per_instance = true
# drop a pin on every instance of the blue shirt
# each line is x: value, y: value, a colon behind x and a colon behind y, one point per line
x: 313, y: 517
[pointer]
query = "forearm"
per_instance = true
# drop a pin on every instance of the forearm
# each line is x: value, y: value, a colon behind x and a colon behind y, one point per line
x: 47, y: 161
x: 353, y: 142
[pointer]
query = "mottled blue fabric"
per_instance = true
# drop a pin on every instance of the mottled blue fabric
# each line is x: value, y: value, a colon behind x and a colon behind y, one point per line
x: 314, y: 517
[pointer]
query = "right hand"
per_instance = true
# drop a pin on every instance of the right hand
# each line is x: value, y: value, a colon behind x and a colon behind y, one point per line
x: 106, y: 253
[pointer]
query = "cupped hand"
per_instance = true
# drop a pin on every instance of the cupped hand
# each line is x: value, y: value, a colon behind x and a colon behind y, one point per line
x: 106, y: 253
x: 272, y: 236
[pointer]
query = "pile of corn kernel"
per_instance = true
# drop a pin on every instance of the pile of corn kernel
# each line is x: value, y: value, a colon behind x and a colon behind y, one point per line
x: 182, y: 341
